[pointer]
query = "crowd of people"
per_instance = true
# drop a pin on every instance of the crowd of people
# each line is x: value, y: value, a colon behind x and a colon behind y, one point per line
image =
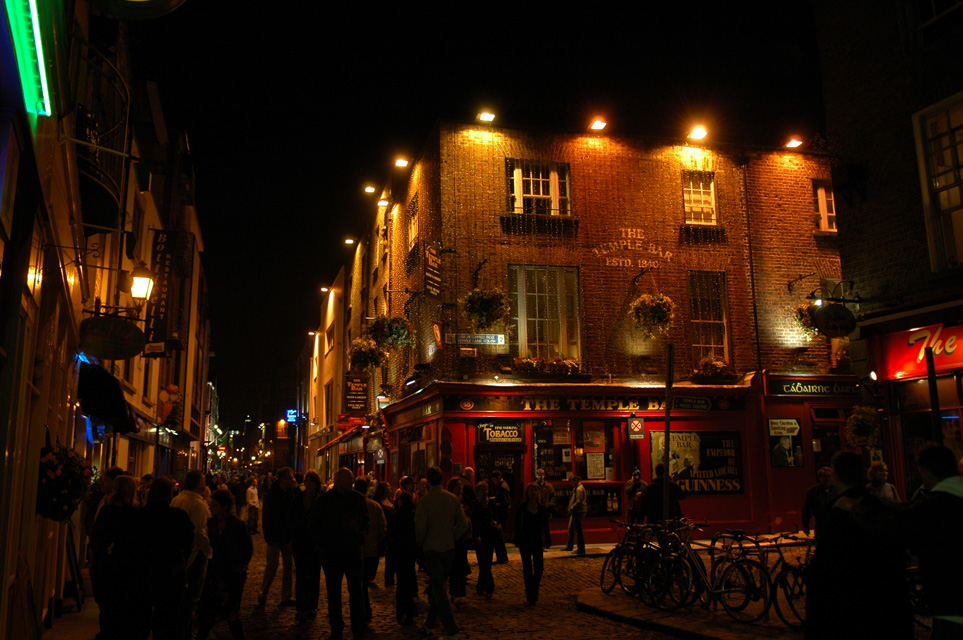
x: 187, y: 546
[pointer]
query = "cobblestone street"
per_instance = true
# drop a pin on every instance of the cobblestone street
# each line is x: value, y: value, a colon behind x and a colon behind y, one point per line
x: 505, y: 616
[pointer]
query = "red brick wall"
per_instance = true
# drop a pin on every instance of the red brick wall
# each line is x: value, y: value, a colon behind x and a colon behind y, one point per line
x: 627, y: 197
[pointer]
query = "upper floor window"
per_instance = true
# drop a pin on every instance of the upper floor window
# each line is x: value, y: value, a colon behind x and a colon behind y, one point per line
x: 707, y: 304
x: 412, y: 214
x: 939, y: 132
x: 545, y: 311
x: 824, y: 205
x: 538, y: 187
x: 699, y: 197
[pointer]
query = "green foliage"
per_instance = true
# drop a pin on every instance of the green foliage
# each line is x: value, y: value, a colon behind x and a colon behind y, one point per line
x: 485, y: 309
x: 653, y: 314
x: 365, y: 354
x: 804, y: 317
x: 391, y: 332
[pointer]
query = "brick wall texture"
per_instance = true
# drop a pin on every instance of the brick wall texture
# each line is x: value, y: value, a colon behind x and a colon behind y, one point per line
x: 627, y: 199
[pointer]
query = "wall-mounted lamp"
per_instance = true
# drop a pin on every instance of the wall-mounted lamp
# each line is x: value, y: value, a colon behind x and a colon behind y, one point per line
x: 597, y: 125
x: 349, y: 241
x: 369, y: 189
x: 401, y: 162
x: 698, y: 133
x: 486, y: 116
x: 794, y: 142
x: 384, y: 202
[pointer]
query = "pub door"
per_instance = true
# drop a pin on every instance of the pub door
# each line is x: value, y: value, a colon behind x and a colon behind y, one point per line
x: 511, y: 462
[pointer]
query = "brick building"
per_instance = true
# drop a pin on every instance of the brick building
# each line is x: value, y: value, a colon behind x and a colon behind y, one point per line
x: 893, y: 87
x: 572, y: 228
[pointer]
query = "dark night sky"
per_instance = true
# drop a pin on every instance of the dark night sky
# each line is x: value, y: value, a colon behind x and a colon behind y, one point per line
x: 290, y: 109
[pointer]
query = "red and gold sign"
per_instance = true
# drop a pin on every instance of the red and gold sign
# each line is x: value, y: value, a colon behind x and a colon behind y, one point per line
x: 903, y: 354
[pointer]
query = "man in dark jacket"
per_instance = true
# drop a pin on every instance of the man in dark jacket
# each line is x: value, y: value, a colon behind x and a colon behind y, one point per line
x: 652, y: 497
x: 501, y: 505
x: 819, y: 500
x: 276, y: 521
x: 933, y: 527
x: 340, y: 525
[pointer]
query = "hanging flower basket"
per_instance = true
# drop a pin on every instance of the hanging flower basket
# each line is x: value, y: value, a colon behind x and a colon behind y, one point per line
x: 365, y: 354
x: 391, y: 332
x: 862, y: 427
x: 652, y: 314
x: 804, y: 317
x: 64, y: 482
x: 484, y: 309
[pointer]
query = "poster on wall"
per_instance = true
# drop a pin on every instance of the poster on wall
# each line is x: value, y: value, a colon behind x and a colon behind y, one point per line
x: 595, y: 466
x: 785, y: 442
x: 702, y: 462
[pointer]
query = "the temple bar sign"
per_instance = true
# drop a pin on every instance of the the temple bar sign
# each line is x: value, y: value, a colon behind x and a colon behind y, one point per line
x: 508, y: 433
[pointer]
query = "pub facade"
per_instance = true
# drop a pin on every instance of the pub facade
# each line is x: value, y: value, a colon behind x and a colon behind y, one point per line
x: 526, y: 266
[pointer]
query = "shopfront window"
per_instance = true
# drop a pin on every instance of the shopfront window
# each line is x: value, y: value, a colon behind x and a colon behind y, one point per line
x: 917, y: 424
x: 564, y: 447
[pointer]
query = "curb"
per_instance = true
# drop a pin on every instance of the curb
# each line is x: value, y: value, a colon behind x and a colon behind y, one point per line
x: 649, y: 625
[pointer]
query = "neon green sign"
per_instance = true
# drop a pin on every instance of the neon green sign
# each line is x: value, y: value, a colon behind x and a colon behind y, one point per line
x: 25, y: 27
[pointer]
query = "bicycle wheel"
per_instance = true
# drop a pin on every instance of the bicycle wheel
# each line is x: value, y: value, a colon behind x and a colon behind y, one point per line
x: 670, y: 583
x: 789, y: 595
x: 610, y: 570
x: 648, y: 558
x: 629, y: 570
x: 745, y: 590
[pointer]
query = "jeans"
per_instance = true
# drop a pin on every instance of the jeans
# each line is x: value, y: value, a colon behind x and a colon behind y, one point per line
x: 407, y: 589
x: 438, y: 566
x: 195, y: 586
x: 339, y: 567
x: 274, y: 549
x: 252, y: 513
x: 483, y: 554
x: 532, y: 567
x: 575, y: 531
x: 307, y: 587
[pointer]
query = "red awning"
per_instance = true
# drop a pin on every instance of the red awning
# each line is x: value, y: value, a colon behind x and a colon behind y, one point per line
x: 344, y: 436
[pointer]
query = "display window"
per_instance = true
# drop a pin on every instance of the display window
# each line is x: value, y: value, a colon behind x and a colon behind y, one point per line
x: 563, y: 447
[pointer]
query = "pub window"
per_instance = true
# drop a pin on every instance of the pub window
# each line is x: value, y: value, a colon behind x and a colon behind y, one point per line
x: 538, y: 187
x: 699, y: 197
x: 545, y: 310
x: 707, y: 304
x: 594, y: 453
x: 328, y: 403
x: 824, y: 206
x: 553, y: 449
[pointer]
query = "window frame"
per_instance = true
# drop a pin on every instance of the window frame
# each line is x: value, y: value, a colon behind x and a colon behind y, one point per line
x: 559, y: 180
x: 688, y: 192
x: 698, y: 349
x: 564, y: 316
x: 824, y: 206
x: 942, y: 256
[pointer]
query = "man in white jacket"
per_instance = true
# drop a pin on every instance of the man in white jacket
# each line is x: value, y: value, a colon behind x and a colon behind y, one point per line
x: 253, y: 506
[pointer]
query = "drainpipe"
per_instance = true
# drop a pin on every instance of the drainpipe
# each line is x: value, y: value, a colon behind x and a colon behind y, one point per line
x: 752, y: 267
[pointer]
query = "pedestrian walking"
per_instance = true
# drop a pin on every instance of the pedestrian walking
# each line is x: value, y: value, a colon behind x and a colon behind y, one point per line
x: 167, y: 535
x: 531, y: 522
x: 307, y: 559
x: 374, y: 537
x: 633, y: 495
x: 856, y: 584
x: 501, y: 503
x: 485, y: 532
x: 877, y: 485
x: 933, y: 528
x: 577, y: 508
x: 404, y: 550
x: 546, y: 495
x: 111, y: 556
x: 253, y: 500
x: 439, y: 521
x: 459, y: 567
x: 340, y: 526
x: 652, y: 497
x: 231, y: 553
x: 276, y: 522
x: 192, y: 500
x: 819, y: 500
x: 382, y: 496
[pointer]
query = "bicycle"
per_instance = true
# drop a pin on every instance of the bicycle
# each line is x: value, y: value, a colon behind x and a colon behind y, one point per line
x: 789, y: 584
x: 620, y: 566
x: 679, y: 579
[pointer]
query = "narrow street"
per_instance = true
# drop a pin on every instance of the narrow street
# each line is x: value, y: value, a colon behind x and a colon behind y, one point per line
x: 505, y: 616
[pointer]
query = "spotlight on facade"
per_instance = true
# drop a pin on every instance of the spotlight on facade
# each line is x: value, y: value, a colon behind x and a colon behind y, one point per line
x: 794, y: 142
x: 698, y: 133
x: 349, y: 241
x: 325, y: 289
x: 401, y: 162
x: 383, y: 202
x: 598, y: 124
x: 486, y: 116
x: 369, y: 189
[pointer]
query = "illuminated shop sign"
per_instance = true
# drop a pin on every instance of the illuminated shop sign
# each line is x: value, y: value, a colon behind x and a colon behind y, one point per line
x: 812, y: 387
x: 504, y: 433
x: 903, y: 354
x: 545, y: 403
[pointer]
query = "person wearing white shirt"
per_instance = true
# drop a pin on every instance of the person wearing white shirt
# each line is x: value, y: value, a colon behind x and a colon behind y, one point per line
x: 253, y: 506
x: 192, y: 500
